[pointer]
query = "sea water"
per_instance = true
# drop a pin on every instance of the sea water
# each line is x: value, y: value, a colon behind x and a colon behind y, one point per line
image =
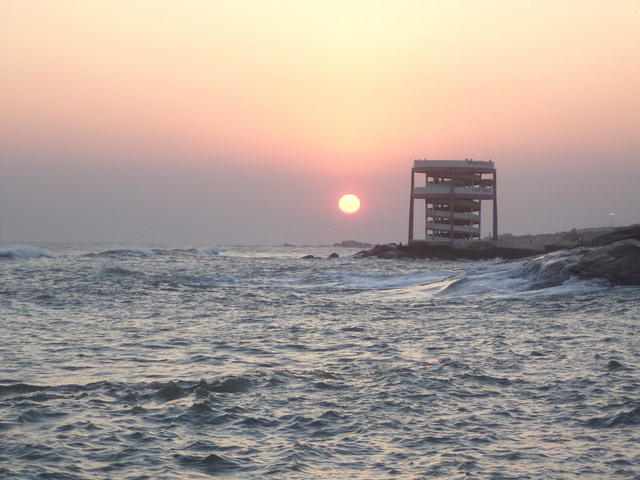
x: 251, y: 362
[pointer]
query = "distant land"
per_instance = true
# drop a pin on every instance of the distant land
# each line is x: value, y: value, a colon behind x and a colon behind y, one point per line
x: 353, y: 244
x: 552, y: 241
x: 541, y: 242
x: 343, y: 243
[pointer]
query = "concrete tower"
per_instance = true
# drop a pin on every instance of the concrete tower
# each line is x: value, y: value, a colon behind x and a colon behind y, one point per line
x: 453, y: 192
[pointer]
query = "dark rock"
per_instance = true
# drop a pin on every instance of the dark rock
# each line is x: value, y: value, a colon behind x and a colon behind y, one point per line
x: 614, y: 256
x: 386, y: 251
x: 308, y: 257
x: 618, y: 262
x: 334, y: 255
x: 624, y: 233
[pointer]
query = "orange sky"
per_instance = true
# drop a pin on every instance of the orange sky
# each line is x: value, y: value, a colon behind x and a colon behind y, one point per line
x: 185, y: 106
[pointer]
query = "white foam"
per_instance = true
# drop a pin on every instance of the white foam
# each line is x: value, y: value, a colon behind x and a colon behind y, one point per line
x: 390, y: 282
x: 538, y: 277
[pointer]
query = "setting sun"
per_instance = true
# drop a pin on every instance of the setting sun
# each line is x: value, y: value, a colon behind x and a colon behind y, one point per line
x: 349, y: 203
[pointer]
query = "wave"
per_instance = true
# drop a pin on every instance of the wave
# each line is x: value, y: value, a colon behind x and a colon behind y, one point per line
x: 157, y: 392
x: 390, y: 282
x: 150, y: 252
x: 546, y: 274
x: 118, y: 274
x: 550, y: 270
x: 619, y: 419
x: 549, y: 274
x: 108, y: 271
x: 21, y: 252
x: 125, y: 252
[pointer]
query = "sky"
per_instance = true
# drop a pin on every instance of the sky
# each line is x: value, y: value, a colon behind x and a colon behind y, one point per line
x: 243, y: 122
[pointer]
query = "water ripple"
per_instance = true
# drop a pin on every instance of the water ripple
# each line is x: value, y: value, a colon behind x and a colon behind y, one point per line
x: 122, y: 362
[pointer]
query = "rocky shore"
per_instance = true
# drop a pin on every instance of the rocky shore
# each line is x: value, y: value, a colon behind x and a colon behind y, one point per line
x: 476, y: 251
x: 613, y: 256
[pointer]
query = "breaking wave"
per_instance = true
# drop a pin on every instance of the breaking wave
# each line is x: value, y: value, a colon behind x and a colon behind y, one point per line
x: 543, y: 275
x: 125, y: 252
x: 21, y: 252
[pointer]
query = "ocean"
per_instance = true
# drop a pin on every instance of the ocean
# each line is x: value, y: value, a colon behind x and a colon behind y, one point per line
x: 147, y: 362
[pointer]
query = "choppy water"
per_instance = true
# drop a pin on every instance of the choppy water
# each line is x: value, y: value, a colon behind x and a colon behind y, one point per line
x: 253, y: 363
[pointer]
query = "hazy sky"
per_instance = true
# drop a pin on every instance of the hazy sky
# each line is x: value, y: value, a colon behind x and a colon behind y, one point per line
x: 222, y: 122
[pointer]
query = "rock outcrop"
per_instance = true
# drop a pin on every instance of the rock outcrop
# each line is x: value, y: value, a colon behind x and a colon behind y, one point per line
x: 387, y: 251
x: 311, y: 257
x: 614, y: 256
